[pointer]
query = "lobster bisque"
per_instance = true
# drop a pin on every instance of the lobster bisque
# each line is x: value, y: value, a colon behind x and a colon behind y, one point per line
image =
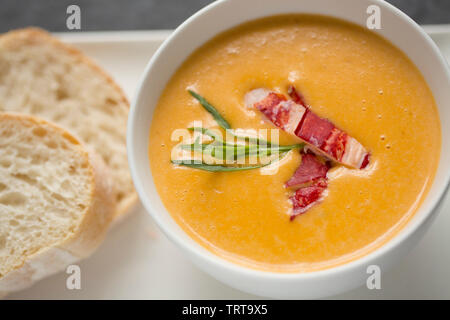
x: 347, y: 74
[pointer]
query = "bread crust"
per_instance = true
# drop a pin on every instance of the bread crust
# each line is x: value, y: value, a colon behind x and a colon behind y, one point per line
x: 86, y: 237
x: 31, y: 34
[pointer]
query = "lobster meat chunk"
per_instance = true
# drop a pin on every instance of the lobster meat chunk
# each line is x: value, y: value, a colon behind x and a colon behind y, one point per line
x: 310, y: 169
x: 296, y: 96
x: 321, y: 135
x: 284, y: 113
x: 311, y: 180
x: 306, y: 197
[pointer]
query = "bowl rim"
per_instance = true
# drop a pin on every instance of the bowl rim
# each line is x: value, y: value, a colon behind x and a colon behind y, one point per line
x: 215, y: 260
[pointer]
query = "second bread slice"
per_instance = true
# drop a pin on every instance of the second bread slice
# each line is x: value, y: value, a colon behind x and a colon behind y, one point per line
x: 41, y: 76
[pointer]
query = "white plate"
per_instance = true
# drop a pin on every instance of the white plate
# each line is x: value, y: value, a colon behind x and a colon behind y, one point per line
x: 138, y: 262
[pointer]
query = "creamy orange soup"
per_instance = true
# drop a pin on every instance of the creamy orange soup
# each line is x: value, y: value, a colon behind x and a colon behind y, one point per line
x: 347, y: 74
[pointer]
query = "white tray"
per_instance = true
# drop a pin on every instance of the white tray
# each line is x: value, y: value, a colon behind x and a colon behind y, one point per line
x: 138, y: 262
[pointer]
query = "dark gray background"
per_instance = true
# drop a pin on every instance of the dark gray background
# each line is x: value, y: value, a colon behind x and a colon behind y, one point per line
x: 154, y: 14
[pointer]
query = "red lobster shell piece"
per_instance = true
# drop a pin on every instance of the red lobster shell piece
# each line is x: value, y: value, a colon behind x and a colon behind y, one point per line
x: 296, y: 96
x: 283, y: 113
x: 311, y: 178
x: 320, y: 134
x: 310, y: 169
x: 306, y: 197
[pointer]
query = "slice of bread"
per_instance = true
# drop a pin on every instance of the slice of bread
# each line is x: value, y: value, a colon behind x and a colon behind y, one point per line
x: 41, y: 76
x: 56, y: 200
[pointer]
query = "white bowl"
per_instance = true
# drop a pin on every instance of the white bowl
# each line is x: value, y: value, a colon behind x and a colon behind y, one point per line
x: 222, y: 15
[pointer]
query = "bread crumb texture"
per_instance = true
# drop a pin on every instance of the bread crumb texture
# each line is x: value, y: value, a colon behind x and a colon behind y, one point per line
x: 45, y: 188
x: 41, y: 76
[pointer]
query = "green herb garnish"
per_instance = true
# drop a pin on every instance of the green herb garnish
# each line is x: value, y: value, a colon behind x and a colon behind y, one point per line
x: 235, y: 151
x: 210, y: 108
x: 219, y: 168
x: 218, y: 137
x: 224, y: 150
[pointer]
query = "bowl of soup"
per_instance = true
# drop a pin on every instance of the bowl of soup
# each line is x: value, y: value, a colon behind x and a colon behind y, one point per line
x: 319, y: 130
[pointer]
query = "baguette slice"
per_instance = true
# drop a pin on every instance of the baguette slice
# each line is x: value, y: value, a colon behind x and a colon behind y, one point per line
x: 55, y: 200
x: 41, y: 76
